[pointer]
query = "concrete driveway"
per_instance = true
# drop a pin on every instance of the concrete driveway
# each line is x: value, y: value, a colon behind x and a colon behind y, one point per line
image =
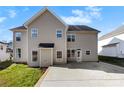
x: 83, y: 74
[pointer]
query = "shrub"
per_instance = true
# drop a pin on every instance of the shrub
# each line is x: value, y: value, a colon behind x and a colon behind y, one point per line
x: 112, y: 60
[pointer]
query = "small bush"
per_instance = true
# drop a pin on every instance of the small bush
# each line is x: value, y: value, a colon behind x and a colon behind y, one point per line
x: 5, y: 64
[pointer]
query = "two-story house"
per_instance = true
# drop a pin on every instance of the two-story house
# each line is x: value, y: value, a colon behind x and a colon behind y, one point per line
x: 45, y: 39
x: 4, y: 53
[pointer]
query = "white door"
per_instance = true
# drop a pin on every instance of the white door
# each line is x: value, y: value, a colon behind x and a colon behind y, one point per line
x: 46, y: 57
x: 79, y: 55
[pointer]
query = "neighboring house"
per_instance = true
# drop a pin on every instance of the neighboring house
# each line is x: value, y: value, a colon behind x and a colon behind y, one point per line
x: 112, y: 44
x: 45, y: 40
x: 4, y: 54
x: 10, y: 45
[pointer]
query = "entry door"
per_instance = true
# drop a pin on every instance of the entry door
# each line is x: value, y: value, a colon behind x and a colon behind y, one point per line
x: 46, y: 57
x: 79, y: 55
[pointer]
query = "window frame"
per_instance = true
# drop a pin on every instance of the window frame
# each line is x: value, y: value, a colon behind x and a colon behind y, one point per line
x: 71, y: 37
x: 34, y: 29
x: 57, y: 54
x: 19, y: 37
x: 17, y: 56
x: 32, y: 55
x: 57, y: 30
x: 72, y: 53
x: 88, y: 53
x: 68, y: 53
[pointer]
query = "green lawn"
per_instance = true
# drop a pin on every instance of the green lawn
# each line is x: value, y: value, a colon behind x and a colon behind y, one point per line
x: 19, y: 75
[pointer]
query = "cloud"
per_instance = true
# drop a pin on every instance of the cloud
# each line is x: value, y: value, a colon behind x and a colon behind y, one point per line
x: 85, y: 16
x: 94, y: 11
x: 2, y: 19
x: 12, y: 13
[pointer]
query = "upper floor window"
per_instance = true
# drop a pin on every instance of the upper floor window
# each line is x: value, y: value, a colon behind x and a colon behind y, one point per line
x: 59, y: 34
x: 18, y: 36
x: 34, y: 32
x: 71, y: 38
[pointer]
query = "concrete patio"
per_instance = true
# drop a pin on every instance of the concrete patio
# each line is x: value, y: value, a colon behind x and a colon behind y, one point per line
x: 83, y: 74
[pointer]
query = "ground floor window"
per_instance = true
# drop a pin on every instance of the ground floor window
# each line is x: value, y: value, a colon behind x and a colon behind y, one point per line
x: 88, y: 52
x: 34, y: 56
x: 71, y: 53
x: 18, y: 53
x: 59, y: 54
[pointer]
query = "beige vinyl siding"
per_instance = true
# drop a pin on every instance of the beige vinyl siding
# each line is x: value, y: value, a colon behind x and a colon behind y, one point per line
x: 22, y: 45
x: 86, y: 41
x: 47, y: 24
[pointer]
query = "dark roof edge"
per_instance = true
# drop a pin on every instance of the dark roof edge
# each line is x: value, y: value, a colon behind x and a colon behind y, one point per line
x: 19, y: 28
x: 70, y: 28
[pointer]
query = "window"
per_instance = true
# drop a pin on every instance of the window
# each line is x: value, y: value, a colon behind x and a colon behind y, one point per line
x: 34, y: 56
x: 18, y: 53
x: 59, y: 54
x: 70, y: 53
x: 78, y: 54
x: 73, y: 53
x: 87, y: 52
x: 34, y: 32
x: 73, y: 38
x: 70, y: 38
x: 1, y: 47
x: 18, y: 36
x: 59, y: 33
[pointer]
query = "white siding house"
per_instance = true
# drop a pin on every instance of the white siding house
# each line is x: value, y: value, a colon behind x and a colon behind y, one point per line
x: 112, y: 44
x: 4, y: 55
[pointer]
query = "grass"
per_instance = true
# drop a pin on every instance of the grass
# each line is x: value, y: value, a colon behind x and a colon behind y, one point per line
x: 19, y: 75
x: 112, y: 60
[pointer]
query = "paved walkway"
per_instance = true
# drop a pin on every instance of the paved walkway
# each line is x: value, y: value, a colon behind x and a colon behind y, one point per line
x: 83, y: 74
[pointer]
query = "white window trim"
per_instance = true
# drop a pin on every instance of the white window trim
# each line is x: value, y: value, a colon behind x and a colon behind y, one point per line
x: 71, y: 37
x: 61, y: 32
x: 56, y: 54
x: 20, y: 36
x: 37, y: 55
x: 16, y: 53
x: 31, y: 32
x: 87, y: 50
x: 70, y: 49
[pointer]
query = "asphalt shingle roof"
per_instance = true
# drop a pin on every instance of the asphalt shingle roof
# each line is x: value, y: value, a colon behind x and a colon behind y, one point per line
x: 80, y: 28
x: 19, y: 28
x: 70, y: 28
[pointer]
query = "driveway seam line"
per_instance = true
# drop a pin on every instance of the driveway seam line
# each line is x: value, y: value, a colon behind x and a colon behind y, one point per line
x: 42, y: 78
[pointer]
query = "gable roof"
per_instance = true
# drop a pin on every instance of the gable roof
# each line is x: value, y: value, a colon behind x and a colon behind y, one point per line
x: 70, y: 27
x: 81, y: 28
x: 3, y: 43
x: 118, y: 31
x: 41, y: 12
